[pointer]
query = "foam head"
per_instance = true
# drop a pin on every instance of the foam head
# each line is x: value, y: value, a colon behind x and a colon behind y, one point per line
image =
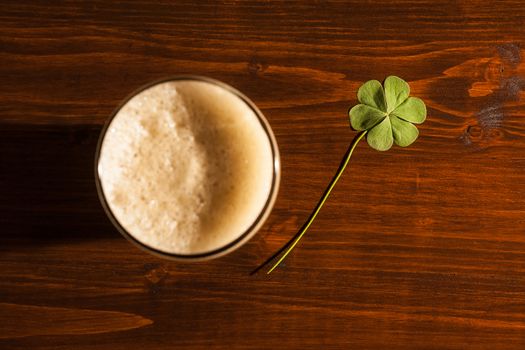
x: 187, y: 167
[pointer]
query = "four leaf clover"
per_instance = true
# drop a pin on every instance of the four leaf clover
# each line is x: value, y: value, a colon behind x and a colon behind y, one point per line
x: 387, y: 113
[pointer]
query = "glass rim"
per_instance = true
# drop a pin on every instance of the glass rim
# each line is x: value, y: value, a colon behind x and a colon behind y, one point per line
x: 257, y: 223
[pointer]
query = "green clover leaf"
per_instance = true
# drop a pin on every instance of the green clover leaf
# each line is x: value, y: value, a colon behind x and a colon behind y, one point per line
x: 387, y: 113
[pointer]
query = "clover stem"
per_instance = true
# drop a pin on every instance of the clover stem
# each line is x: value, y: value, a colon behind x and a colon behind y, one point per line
x: 323, y: 199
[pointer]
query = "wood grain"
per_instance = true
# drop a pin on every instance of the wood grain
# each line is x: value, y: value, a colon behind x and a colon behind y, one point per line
x: 26, y: 321
x: 417, y: 248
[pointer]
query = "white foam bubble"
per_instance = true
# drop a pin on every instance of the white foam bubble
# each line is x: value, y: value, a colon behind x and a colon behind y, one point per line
x: 186, y: 167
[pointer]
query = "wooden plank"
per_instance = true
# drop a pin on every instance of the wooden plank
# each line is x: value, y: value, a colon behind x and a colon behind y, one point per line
x: 417, y: 248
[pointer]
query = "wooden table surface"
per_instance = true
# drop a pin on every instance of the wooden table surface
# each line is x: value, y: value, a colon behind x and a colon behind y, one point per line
x: 417, y: 248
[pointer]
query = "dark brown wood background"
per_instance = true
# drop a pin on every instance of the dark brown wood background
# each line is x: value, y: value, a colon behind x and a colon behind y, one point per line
x: 418, y: 248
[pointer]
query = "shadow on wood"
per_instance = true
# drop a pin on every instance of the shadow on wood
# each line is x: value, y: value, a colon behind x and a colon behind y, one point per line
x: 47, y: 184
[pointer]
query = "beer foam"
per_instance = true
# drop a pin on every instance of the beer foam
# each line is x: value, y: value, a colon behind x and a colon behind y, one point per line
x: 186, y: 167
